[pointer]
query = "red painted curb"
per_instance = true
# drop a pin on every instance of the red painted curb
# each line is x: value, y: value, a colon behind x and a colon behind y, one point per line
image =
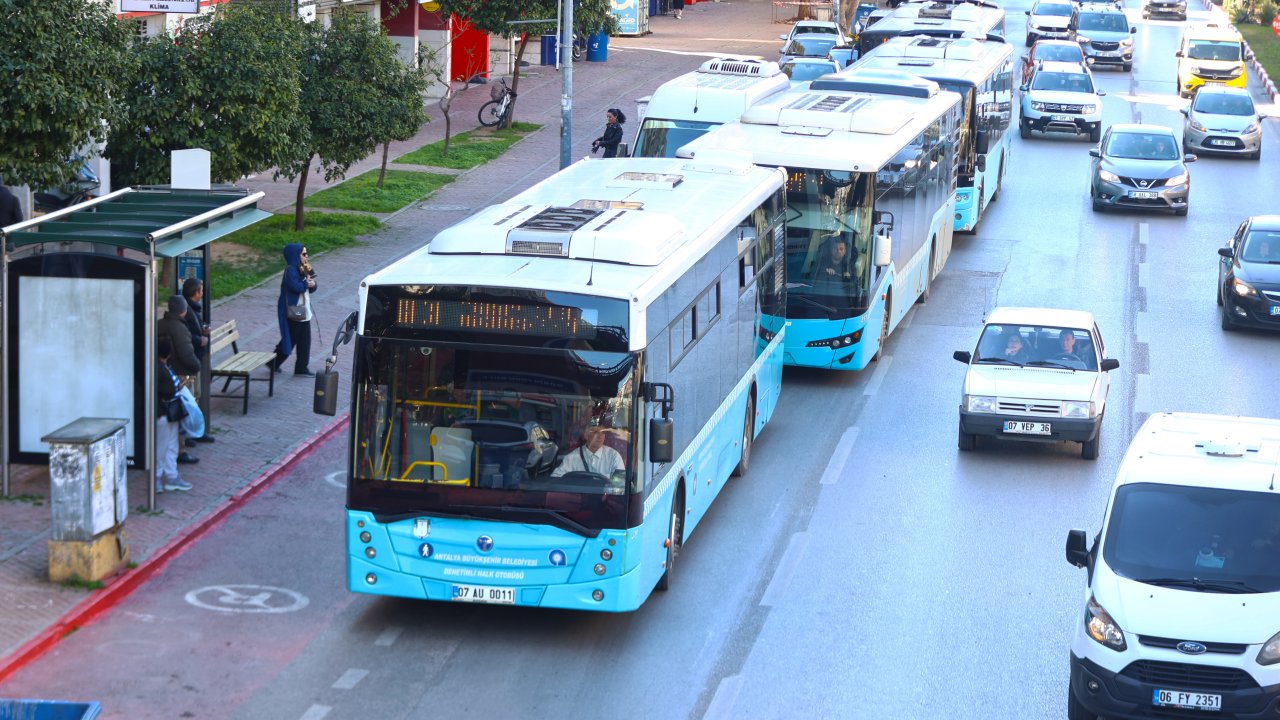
x: 121, y: 586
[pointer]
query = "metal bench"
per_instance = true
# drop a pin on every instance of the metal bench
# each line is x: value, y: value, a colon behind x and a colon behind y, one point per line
x: 240, y: 366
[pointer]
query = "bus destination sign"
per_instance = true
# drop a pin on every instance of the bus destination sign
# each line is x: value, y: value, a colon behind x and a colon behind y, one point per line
x: 494, y: 317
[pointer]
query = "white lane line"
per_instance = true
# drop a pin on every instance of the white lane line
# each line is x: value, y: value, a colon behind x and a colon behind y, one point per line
x: 877, y: 377
x: 840, y: 456
x: 1144, y: 232
x: 388, y: 636
x: 1144, y: 275
x: 1140, y: 321
x: 350, y: 679
x: 316, y: 712
x: 721, y: 707
x: 781, y: 582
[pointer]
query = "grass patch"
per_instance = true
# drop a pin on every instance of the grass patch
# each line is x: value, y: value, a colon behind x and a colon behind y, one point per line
x: 361, y: 192
x: 76, y: 582
x: 468, y: 149
x: 1265, y: 45
x: 142, y: 510
x: 35, y: 500
x: 262, y: 243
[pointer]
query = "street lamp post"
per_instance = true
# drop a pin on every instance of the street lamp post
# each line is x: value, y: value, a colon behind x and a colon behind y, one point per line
x: 566, y: 95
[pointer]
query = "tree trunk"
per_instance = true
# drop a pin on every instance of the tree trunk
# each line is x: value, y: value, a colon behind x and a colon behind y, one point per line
x: 515, y: 81
x: 446, y: 102
x: 299, y: 217
x: 382, y: 173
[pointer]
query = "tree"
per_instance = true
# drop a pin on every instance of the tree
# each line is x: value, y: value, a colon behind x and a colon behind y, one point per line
x: 59, y: 60
x: 228, y: 81
x: 339, y: 106
x: 403, y: 87
x: 496, y: 17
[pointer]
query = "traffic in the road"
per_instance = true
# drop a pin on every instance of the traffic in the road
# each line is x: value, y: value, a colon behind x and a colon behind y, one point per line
x: 864, y: 563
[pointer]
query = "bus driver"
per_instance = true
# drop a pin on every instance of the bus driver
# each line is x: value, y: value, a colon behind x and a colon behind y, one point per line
x: 591, y: 456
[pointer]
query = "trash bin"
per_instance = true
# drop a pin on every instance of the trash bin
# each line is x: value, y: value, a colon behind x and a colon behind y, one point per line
x: 598, y: 47
x: 48, y: 710
x: 88, y: 495
x: 549, y: 47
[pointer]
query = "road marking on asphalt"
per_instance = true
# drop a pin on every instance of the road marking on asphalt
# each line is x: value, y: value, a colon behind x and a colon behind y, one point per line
x: 725, y: 698
x: 840, y: 456
x: 877, y: 377
x: 388, y: 636
x: 1144, y: 233
x: 1141, y: 394
x: 781, y: 582
x: 337, y: 479
x: 350, y: 679
x: 316, y: 712
x: 247, y: 599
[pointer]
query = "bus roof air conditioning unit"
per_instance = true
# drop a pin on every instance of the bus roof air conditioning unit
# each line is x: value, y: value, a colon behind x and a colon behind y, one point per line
x: 752, y: 68
x: 549, y: 231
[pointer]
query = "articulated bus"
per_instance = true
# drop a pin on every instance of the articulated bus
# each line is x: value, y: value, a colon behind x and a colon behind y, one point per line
x: 871, y: 178
x: 687, y: 106
x: 981, y: 71
x: 941, y: 18
x: 548, y: 397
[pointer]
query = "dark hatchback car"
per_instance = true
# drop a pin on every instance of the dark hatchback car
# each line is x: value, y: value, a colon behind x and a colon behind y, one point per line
x: 1140, y: 167
x: 1249, y: 275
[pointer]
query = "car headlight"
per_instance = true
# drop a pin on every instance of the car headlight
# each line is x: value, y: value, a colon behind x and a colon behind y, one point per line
x: 1077, y: 409
x: 1088, y: 109
x: 1243, y: 289
x: 1037, y: 106
x: 1195, y: 125
x: 1270, y: 652
x: 980, y: 403
x: 1108, y: 176
x: 1083, y: 40
x: 1102, y: 628
x: 1177, y: 180
x: 1127, y: 42
x: 1235, y: 71
x: 1251, y: 129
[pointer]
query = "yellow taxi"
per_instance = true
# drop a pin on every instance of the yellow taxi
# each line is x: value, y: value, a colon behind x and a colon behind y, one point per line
x: 1210, y: 53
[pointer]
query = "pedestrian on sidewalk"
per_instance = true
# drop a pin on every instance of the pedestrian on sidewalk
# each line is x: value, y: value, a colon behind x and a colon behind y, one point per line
x: 10, y: 208
x: 182, y: 360
x: 678, y: 7
x: 294, y: 310
x: 613, y: 119
x: 193, y: 291
x: 167, y: 386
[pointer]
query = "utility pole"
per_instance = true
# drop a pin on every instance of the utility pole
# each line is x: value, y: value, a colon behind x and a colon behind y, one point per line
x: 566, y: 94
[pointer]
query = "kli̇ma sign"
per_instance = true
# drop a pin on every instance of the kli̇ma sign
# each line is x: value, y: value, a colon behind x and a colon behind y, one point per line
x: 164, y: 6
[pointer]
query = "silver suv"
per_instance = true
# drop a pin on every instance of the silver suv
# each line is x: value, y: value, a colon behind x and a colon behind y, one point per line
x: 1061, y: 97
x: 1104, y: 33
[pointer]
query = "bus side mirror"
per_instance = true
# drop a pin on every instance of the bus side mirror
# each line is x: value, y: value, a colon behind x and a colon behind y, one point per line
x: 981, y: 163
x: 325, y: 399
x: 661, y: 432
x: 982, y: 142
x: 884, y: 249
x: 1077, y: 553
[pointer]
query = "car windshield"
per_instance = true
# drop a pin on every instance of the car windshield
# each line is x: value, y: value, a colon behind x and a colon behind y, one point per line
x: 1062, y: 82
x: 1103, y: 22
x: 806, y: 71
x: 1059, y: 53
x: 817, y: 29
x: 1142, y: 146
x: 1262, y: 246
x: 1054, y: 9
x: 810, y: 46
x: 1214, y: 50
x: 1037, y: 346
x: 1223, y: 104
x: 1195, y: 538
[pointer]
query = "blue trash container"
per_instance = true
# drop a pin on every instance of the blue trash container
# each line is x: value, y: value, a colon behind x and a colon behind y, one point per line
x: 48, y: 710
x: 598, y: 47
x: 549, y: 46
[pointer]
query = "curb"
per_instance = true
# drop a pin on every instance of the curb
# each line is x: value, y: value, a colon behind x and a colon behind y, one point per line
x: 123, y: 585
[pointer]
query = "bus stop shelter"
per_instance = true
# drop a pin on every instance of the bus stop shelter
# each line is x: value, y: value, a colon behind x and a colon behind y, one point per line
x: 79, y: 313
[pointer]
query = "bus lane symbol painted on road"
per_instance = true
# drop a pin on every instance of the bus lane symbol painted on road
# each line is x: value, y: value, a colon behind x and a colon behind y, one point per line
x: 337, y: 479
x: 247, y: 599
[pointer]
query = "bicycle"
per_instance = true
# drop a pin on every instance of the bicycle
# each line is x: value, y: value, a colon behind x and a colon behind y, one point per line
x: 498, y: 110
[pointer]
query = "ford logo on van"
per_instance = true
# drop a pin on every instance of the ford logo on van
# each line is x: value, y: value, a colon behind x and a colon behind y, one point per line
x: 1191, y: 648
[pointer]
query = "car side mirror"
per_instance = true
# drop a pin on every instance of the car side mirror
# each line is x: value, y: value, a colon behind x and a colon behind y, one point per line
x: 1077, y: 551
x: 1101, y: 92
x: 1226, y: 252
x: 1189, y: 158
x: 1133, y: 30
x: 1095, y: 152
x: 1109, y: 364
x: 1178, y: 54
x: 963, y: 356
x: 1186, y: 112
x: 782, y: 37
x: 1028, y: 13
x: 1025, y: 88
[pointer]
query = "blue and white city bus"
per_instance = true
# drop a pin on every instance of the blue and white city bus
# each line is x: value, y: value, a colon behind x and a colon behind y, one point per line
x: 940, y: 18
x: 981, y: 71
x: 548, y: 397
x: 871, y: 178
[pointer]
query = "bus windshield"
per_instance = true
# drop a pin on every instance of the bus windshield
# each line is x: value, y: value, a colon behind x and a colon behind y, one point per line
x: 519, y: 434
x: 828, y: 243
x: 661, y: 138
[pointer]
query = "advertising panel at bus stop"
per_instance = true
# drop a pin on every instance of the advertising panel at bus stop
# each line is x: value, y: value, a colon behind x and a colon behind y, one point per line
x: 632, y: 15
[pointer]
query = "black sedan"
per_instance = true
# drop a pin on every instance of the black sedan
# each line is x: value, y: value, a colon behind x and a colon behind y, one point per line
x: 1249, y: 275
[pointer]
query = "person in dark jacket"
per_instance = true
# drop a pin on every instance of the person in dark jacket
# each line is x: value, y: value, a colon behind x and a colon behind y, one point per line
x: 613, y: 119
x: 174, y: 327
x: 193, y: 291
x: 296, y: 286
x: 10, y: 208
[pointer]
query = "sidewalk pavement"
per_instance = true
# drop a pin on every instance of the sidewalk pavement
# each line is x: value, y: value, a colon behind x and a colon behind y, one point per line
x: 251, y: 450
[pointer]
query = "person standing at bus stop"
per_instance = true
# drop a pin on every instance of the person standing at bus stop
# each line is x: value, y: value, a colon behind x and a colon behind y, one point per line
x: 294, y: 310
x: 677, y: 6
x: 613, y: 119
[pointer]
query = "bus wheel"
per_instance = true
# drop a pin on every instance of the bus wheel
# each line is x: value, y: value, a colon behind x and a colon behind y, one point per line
x: 673, y: 539
x: 884, y: 328
x: 748, y: 435
x: 928, y: 280
x: 999, y: 183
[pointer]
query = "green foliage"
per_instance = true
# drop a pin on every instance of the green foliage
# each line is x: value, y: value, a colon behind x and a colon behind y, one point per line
x: 1267, y: 11
x: 468, y: 149
x: 263, y: 242
x: 34, y: 500
x: 362, y: 193
x: 59, y: 61
x: 230, y: 83
x: 1265, y: 46
x: 76, y: 581
x: 494, y: 16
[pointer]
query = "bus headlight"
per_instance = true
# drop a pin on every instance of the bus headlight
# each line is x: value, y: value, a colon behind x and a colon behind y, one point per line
x: 1076, y: 409
x: 980, y: 403
x: 838, y: 342
x: 1270, y: 652
x: 1102, y: 628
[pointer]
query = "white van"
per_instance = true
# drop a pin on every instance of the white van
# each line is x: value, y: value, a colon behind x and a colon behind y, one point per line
x: 1181, y: 614
x: 687, y: 107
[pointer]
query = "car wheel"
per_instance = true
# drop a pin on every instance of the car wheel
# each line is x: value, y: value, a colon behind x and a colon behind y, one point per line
x: 1182, y: 211
x: 1075, y: 710
x: 1218, y: 295
x: 1257, y: 154
x: 1089, y: 448
x: 1097, y: 204
x: 1024, y: 130
x: 966, y: 441
x: 1031, y: 40
x: 1227, y: 323
x: 1127, y: 66
x: 1095, y: 133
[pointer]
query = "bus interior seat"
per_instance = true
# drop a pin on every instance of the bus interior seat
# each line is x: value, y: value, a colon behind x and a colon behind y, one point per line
x: 418, y: 447
x: 453, y: 447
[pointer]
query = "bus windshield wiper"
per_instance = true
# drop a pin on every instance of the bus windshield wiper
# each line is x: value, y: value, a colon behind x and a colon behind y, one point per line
x: 830, y: 310
x: 558, y: 518
x: 390, y: 518
x: 1220, y: 586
